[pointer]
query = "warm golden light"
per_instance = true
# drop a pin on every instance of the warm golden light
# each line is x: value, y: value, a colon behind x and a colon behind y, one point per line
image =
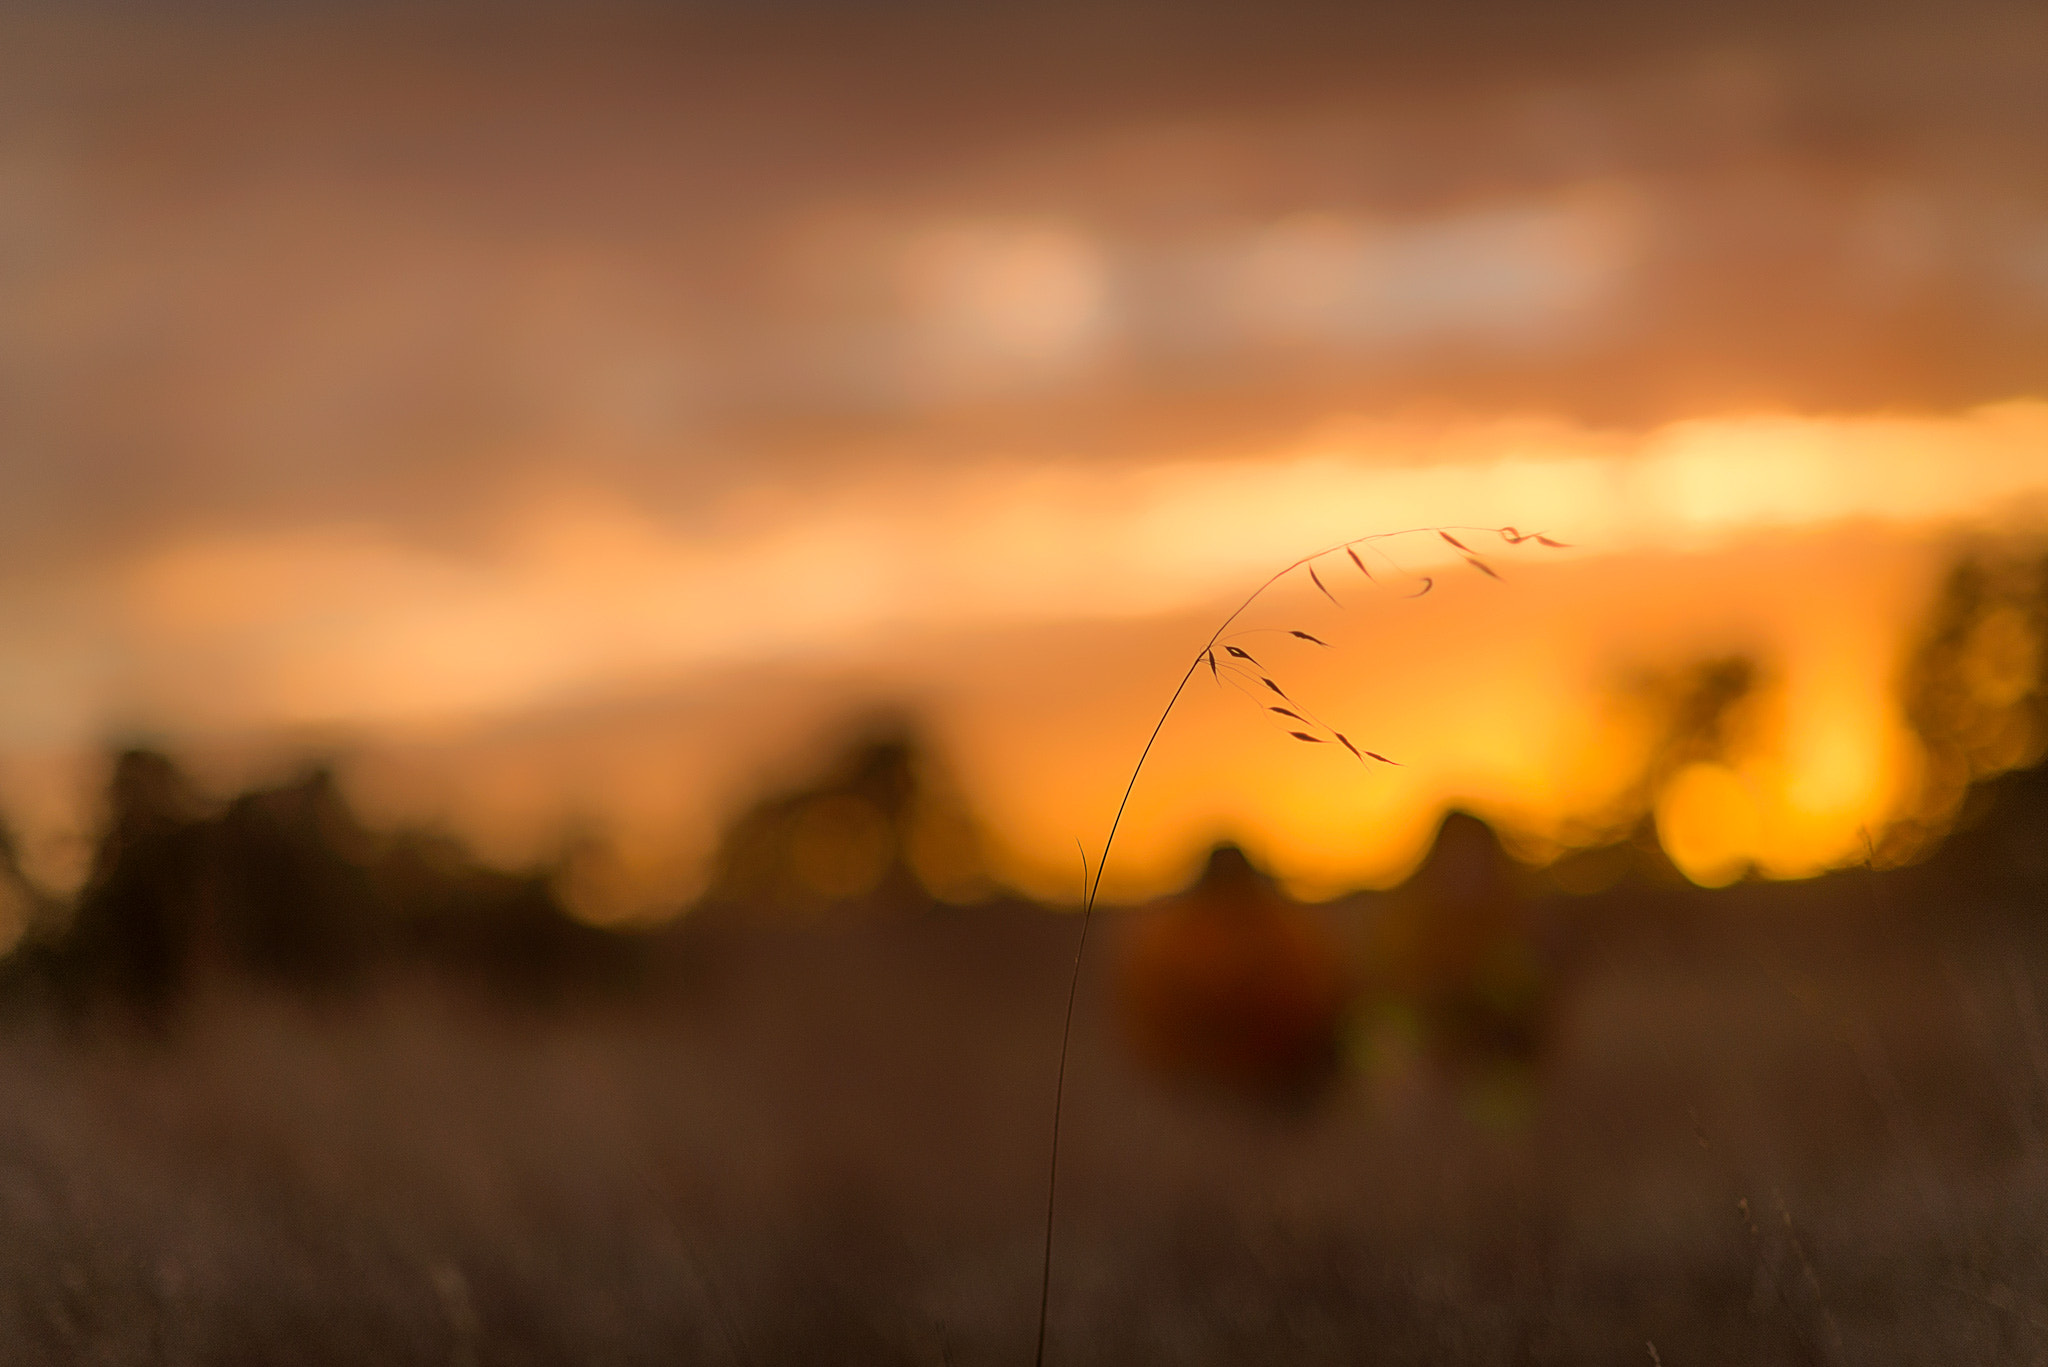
x: 588, y: 591
x: 1036, y: 612
x: 575, y: 489
x: 1708, y: 822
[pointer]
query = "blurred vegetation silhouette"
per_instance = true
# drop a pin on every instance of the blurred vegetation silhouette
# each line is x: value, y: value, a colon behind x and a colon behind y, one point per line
x: 1456, y: 955
x: 1232, y: 982
x: 881, y: 828
x: 139, y: 921
x: 1974, y: 691
x: 1523, y: 1103
x: 284, y: 887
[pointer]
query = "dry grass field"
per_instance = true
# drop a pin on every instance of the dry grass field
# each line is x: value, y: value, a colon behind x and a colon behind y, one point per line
x: 1801, y: 1123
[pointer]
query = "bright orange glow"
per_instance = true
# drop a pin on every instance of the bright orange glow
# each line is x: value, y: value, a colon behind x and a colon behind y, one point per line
x: 573, y: 437
x: 1039, y: 615
x: 1504, y: 698
x: 340, y: 626
x: 1708, y: 822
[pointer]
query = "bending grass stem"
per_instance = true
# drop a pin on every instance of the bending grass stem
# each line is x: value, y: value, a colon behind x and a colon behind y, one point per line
x: 1508, y: 534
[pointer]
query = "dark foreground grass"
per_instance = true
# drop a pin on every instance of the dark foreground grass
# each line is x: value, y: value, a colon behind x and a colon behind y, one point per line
x: 1774, y: 1125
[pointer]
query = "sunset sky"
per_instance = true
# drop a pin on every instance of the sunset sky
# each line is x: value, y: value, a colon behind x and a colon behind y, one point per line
x: 579, y: 419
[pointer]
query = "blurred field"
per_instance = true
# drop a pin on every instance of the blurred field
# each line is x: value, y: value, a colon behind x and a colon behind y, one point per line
x: 1776, y: 1123
x: 564, y: 418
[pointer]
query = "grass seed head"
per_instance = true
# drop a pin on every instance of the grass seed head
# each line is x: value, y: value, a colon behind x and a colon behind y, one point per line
x: 1317, y: 580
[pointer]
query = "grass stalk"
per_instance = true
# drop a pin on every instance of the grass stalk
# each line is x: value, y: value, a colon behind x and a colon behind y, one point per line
x: 1207, y: 655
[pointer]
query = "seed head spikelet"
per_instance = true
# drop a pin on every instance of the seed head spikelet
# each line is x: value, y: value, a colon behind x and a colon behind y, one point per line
x: 1207, y: 655
x: 1317, y: 580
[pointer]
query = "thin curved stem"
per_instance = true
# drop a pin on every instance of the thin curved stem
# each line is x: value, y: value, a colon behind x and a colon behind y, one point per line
x: 1059, y: 1092
x: 1088, y: 903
